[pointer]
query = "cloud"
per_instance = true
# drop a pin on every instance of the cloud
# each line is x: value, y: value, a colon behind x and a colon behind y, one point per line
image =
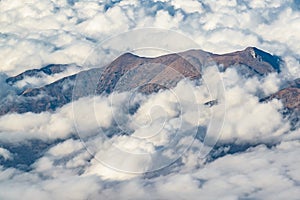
x: 247, y: 119
x: 30, y: 186
x: 101, y: 142
x: 5, y: 154
x: 110, y: 146
x: 257, y: 173
x: 42, y: 126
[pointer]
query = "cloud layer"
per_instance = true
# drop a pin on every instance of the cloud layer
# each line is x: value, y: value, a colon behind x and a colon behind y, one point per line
x: 117, y: 151
x: 121, y: 146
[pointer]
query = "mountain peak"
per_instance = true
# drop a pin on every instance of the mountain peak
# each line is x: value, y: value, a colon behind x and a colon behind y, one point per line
x: 127, y: 55
x: 263, y: 56
x: 253, y: 51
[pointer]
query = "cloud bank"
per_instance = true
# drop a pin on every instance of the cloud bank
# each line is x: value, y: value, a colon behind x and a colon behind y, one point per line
x: 118, y: 151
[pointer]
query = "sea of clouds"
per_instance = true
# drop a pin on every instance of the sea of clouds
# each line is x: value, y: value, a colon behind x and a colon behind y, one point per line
x: 83, y: 151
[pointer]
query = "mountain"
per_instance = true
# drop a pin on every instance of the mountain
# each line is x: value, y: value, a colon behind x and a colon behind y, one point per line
x: 39, y: 73
x: 49, y: 97
x: 130, y: 71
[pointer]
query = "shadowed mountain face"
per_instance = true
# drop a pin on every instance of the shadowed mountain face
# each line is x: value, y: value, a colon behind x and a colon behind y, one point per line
x: 255, y: 60
x: 147, y: 74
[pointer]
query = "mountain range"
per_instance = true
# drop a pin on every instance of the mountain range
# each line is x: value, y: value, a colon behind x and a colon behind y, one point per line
x: 129, y: 71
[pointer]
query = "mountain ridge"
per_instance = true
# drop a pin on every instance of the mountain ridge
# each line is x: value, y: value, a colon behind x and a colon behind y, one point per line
x: 149, y: 74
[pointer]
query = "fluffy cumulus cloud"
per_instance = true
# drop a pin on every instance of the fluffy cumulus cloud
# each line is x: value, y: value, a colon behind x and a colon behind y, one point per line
x: 246, y: 118
x: 42, y: 126
x: 164, y: 145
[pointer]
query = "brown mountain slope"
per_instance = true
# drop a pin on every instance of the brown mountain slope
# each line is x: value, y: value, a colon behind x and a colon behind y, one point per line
x: 167, y: 70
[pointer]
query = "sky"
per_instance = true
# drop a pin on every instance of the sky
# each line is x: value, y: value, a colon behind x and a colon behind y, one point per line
x: 251, y: 154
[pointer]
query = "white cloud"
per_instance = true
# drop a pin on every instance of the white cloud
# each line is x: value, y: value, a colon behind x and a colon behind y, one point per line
x: 44, y: 126
x: 65, y: 148
x: 247, y: 119
x: 5, y: 154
